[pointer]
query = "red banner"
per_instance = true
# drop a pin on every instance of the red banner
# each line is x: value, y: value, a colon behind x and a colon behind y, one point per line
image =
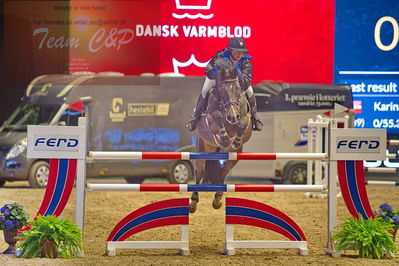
x: 289, y: 40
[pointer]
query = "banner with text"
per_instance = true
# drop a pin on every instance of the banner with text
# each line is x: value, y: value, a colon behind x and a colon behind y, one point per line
x: 289, y: 40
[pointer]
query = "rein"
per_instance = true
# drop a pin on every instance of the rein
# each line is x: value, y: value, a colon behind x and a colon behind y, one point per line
x: 229, y: 80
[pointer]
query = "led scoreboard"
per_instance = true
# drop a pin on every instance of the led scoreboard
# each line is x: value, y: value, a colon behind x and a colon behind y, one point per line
x: 366, y: 56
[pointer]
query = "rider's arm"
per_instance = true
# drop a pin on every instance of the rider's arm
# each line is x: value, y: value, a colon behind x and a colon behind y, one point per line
x: 210, y: 69
x: 245, y: 77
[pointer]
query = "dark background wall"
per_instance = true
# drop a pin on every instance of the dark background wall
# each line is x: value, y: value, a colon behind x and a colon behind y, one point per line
x: 19, y: 64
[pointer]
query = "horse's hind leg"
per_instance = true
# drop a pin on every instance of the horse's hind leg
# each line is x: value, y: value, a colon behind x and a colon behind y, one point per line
x: 195, y: 195
x: 199, y: 173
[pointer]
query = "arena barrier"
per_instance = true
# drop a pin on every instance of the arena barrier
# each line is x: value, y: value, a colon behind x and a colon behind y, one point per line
x: 176, y: 211
x: 161, y: 213
x: 251, y: 213
x: 350, y: 173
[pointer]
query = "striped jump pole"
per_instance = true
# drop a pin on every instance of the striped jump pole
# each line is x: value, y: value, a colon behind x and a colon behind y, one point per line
x: 204, y: 188
x: 115, y: 155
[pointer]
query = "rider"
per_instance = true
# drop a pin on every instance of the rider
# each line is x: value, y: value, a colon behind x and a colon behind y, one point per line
x: 237, y: 54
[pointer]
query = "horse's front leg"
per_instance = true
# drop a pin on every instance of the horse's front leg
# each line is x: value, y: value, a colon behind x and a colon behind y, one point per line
x: 217, y: 201
x: 242, y: 125
x: 224, y: 137
x: 199, y: 174
x: 217, y: 116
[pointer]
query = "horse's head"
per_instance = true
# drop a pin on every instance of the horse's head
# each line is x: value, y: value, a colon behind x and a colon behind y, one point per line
x: 229, y: 90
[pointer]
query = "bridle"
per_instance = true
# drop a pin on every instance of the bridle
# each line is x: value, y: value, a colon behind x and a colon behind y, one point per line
x: 224, y: 105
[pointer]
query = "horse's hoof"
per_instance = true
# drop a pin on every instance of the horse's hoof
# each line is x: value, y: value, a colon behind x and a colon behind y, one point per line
x: 235, y: 146
x: 193, y: 207
x: 225, y: 142
x: 217, y: 203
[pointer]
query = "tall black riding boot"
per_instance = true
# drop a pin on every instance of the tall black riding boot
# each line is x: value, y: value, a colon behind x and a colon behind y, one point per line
x: 192, y: 124
x: 257, y: 124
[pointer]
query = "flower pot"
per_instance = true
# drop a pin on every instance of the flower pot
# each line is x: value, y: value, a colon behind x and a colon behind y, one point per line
x: 49, y: 250
x: 9, y: 239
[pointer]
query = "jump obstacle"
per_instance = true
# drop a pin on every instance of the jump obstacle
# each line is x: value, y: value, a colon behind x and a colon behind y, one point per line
x: 317, y: 139
x: 175, y: 211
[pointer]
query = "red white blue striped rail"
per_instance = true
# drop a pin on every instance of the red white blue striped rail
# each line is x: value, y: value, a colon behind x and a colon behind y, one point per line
x: 205, y: 188
x: 114, y: 155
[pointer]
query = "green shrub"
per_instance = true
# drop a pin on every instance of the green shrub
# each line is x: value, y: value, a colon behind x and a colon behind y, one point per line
x: 66, y: 235
x: 369, y: 237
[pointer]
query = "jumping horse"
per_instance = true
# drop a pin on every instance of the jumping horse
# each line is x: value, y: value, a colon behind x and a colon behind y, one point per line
x: 224, y: 127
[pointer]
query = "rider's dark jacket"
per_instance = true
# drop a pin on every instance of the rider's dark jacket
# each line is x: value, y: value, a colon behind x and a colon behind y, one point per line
x: 243, y: 65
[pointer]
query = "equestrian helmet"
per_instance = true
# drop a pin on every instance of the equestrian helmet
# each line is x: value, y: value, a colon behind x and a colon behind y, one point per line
x: 238, y: 44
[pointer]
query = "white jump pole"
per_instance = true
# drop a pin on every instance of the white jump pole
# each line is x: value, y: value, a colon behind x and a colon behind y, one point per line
x: 386, y: 183
x: 385, y: 170
x: 81, y: 181
x: 332, y: 198
x: 309, y: 178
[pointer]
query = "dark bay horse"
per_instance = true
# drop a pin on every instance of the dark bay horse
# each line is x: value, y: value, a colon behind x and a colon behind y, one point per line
x: 225, y: 127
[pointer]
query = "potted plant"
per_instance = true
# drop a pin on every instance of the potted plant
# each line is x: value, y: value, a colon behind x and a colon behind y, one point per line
x: 388, y: 214
x: 12, y: 218
x: 50, y: 237
x: 370, y: 237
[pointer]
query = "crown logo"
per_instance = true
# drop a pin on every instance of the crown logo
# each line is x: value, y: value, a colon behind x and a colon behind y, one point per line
x: 193, y: 5
x: 192, y: 60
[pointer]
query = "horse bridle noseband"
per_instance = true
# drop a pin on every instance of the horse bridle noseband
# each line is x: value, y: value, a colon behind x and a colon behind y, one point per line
x: 223, y: 105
